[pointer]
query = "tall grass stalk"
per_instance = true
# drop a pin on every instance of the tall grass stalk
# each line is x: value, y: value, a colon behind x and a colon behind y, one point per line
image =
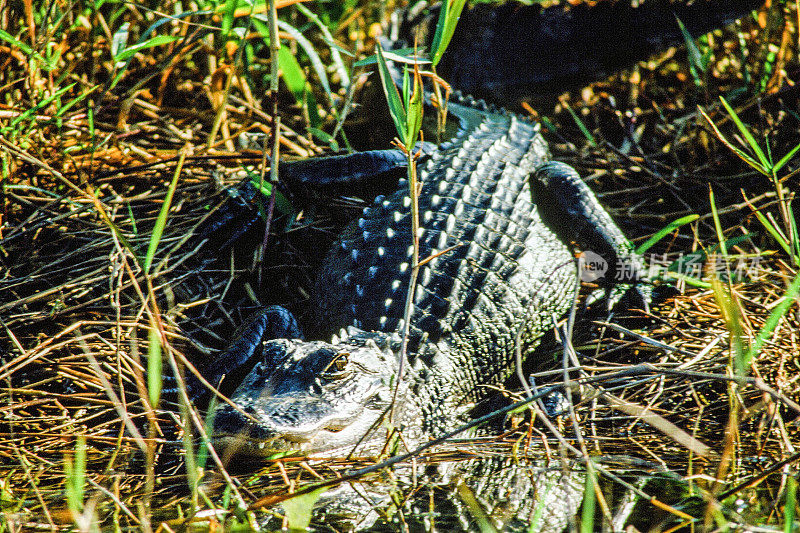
x: 407, y: 117
x: 406, y: 111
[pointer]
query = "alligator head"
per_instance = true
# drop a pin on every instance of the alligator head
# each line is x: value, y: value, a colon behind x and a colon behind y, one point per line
x: 311, y: 397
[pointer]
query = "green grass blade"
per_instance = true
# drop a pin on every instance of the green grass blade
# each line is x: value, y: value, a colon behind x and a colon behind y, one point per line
x: 414, y: 114
x: 161, y: 221
x: 120, y: 39
x: 746, y: 134
x: 313, y: 56
x: 31, y: 112
x: 282, y: 204
x: 743, y: 156
x: 75, y: 474
x: 689, y: 280
x: 795, y: 236
x: 696, y: 63
x: 78, y: 99
x: 298, y: 509
x: 396, y: 110
x: 538, y: 511
x: 589, y: 501
x: 293, y: 74
x: 666, y: 230
x: 581, y: 126
x: 717, y: 224
x: 785, y: 159
x: 775, y: 232
x: 155, y: 367
x: 790, y: 504
x: 13, y: 41
x: 402, y: 55
x: 158, y: 40
x: 445, y: 27
x: 475, y: 508
x: 336, y: 50
x: 733, y: 322
x: 229, y: 13
x: 772, y: 321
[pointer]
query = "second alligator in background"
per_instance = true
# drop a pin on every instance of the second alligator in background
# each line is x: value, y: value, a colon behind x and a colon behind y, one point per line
x: 514, y: 51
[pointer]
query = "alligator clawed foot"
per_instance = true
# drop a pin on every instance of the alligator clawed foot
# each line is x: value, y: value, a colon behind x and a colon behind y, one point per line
x: 241, y: 209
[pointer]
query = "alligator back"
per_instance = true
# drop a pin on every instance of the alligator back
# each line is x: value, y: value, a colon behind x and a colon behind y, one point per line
x: 500, y: 269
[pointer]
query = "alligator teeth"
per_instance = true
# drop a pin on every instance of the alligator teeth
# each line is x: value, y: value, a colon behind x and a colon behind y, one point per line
x: 334, y: 339
x: 343, y: 334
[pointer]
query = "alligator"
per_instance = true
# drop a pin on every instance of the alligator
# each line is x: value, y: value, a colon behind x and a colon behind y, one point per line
x: 498, y: 227
x: 513, y: 51
x: 497, y: 223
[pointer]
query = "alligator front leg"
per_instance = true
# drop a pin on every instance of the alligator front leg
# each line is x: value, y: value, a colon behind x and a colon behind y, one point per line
x: 570, y: 208
x: 361, y: 174
x: 269, y: 323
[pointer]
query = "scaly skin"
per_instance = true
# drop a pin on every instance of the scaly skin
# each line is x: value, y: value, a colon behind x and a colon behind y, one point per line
x: 502, y: 270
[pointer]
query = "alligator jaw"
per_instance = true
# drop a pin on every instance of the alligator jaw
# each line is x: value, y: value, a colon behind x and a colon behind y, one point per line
x: 320, y: 399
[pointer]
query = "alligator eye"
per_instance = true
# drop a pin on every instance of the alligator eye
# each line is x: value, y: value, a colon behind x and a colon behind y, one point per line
x: 336, y: 368
x: 341, y: 361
